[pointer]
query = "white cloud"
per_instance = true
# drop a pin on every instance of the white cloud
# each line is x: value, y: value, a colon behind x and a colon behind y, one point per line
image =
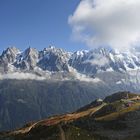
x: 21, y: 76
x: 114, y: 23
x: 83, y: 77
x: 98, y: 60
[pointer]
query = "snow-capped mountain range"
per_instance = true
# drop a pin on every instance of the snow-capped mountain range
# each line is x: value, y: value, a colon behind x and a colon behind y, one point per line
x: 49, y: 59
x: 52, y: 59
x: 68, y: 81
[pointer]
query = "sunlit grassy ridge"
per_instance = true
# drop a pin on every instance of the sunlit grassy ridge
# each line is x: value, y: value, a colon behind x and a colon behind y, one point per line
x: 116, y: 115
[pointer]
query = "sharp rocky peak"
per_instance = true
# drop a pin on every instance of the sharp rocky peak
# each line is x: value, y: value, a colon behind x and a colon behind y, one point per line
x: 12, y: 50
x: 53, y: 50
x: 9, y: 55
x: 27, y: 59
x: 54, y: 59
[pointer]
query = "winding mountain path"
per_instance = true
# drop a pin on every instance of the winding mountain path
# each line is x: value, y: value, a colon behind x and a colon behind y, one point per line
x: 62, y: 133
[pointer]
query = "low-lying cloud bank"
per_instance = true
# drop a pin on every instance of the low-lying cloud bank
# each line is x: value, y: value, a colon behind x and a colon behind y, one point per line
x: 30, y: 76
x: 114, y: 23
x: 21, y: 76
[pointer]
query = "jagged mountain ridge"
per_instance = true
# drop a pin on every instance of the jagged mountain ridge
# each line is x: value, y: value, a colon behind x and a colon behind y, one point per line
x: 100, y: 60
x: 55, y: 60
x: 50, y: 59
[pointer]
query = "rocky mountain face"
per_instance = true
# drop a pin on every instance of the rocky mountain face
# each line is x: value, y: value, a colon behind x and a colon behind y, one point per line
x: 27, y: 60
x: 116, y: 119
x: 9, y: 55
x: 53, y: 59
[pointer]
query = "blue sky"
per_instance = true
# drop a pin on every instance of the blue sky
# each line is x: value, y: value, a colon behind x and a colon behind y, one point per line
x: 37, y: 23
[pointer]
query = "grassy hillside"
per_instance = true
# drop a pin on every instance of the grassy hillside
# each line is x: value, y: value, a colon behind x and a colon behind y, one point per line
x: 118, y: 120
